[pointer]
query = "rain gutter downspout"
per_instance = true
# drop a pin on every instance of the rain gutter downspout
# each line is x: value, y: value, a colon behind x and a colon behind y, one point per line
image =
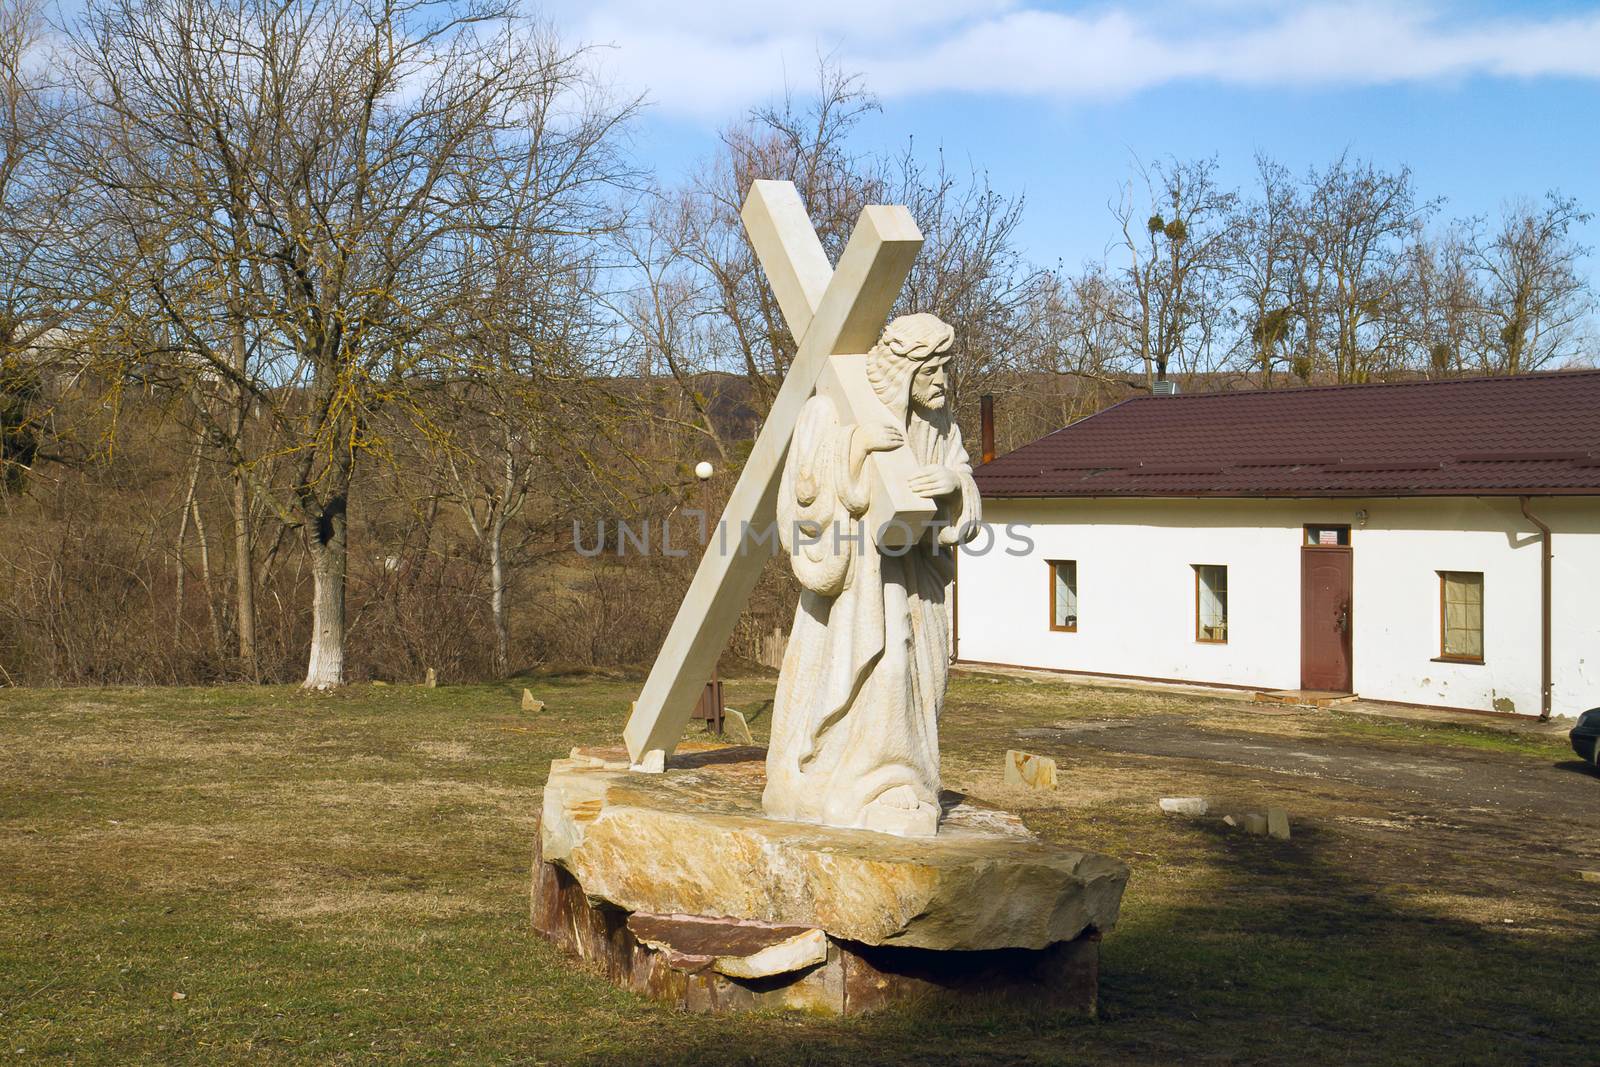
x: 1544, y: 611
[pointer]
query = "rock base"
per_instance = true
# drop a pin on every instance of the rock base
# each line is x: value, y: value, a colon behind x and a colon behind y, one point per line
x: 675, y: 962
x: 665, y: 930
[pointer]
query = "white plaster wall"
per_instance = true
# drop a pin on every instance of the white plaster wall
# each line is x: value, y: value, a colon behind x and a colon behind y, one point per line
x: 1575, y: 648
x: 1136, y: 593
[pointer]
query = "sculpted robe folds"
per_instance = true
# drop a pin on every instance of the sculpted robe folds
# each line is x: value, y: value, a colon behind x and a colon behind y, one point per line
x: 855, y: 723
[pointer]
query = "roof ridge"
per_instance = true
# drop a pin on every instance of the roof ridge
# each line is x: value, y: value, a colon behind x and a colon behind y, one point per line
x: 1542, y: 375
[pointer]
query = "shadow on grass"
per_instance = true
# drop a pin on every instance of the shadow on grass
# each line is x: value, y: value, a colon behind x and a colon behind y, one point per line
x: 1281, y: 952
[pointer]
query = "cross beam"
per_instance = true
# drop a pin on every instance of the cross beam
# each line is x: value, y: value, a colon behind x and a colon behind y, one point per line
x: 836, y: 316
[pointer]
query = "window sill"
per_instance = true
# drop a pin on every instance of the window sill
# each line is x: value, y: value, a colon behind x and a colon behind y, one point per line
x: 1211, y: 640
x: 1469, y: 660
x: 1063, y: 629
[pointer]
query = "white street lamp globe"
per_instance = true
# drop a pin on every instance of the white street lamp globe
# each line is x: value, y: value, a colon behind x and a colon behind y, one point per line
x: 702, y: 470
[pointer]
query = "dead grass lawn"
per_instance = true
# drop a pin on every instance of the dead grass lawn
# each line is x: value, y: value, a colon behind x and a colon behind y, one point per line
x: 235, y: 874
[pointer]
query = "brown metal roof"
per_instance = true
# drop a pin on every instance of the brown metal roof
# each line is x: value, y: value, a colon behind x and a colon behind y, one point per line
x: 1530, y: 434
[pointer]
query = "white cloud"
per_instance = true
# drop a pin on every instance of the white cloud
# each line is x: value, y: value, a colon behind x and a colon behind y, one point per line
x: 711, y: 60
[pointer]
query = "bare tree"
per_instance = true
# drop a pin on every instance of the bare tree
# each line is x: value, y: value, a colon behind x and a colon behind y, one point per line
x: 1072, y: 356
x: 704, y: 304
x: 668, y: 316
x: 358, y: 138
x: 532, y: 423
x: 177, y: 130
x: 40, y: 283
x: 39, y: 286
x: 1535, y: 293
x: 1173, y: 224
x: 1260, y: 253
x: 971, y: 272
x: 1443, y: 320
x: 1355, y: 224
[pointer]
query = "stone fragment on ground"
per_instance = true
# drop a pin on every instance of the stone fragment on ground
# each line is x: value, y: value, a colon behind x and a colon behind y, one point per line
x: 735, y: 726
x: 531, y: 702
x: 1278, y: 823
x: 1184, y: 805
x: 431, y: 679
x: 1254, y: 824
x: 1030, y: 771
x: 1589, y: 876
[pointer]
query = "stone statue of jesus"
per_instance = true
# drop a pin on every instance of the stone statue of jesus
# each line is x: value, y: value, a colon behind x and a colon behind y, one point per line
x: 855, y: 725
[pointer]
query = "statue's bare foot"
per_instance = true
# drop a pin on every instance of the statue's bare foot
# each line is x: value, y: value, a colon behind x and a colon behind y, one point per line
x: 898, y: 811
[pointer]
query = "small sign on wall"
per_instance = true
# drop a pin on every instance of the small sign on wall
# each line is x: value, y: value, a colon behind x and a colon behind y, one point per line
x: 1327, y: 536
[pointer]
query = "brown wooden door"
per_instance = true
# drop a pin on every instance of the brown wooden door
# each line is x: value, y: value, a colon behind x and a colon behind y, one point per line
x: 1325, y: 618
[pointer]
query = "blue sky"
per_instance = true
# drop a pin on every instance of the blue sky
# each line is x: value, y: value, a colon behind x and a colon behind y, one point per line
x: 1484, y: 101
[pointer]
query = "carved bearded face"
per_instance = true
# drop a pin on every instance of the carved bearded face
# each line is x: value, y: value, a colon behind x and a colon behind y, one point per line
x: 929, y: 384
x: 909, y: 367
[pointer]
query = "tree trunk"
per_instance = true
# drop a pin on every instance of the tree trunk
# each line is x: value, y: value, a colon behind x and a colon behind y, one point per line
x: 183, y: 533
x: 497, y: 600
x: 243, y: 559
x: 328, y: 543
x: 244, y: 577
x: 205, y: 577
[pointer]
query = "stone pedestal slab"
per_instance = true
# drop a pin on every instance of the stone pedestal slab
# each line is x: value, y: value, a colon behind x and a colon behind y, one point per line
x: 681, y: 888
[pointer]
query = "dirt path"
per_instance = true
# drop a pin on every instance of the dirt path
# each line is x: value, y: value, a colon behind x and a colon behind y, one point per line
x: 1498, y: 836
x: 1453, y: 778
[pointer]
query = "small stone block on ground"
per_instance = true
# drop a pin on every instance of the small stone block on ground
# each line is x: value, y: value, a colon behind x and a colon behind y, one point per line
x: 1030, y: 771
x: 531, y: 702
x: 1278, y: 823
x: 1589, y: 876
x: 1254, y: 824
x: 1184, y: 805
x: 735, y: 726
x: 431, y: 679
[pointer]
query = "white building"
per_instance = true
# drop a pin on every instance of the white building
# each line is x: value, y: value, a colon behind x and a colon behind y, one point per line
x: 1386, y: 540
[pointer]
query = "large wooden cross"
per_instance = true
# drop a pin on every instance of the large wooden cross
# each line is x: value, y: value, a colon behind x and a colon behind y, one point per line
x: 835, y: 315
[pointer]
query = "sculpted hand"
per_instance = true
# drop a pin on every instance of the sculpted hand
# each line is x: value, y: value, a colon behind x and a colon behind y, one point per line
x: 934, y: 480
x: 880, y: 437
